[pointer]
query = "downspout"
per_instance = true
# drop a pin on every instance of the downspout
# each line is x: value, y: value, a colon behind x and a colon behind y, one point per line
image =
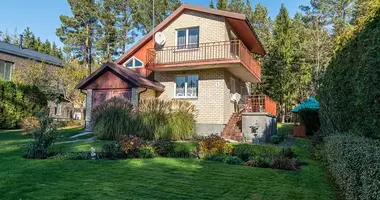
x: 138, y: 96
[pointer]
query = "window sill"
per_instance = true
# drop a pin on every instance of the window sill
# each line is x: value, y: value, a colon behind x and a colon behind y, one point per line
x: 183, y: 98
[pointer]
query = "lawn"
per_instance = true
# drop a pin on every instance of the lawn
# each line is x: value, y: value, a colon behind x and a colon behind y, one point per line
x: 158, y: 178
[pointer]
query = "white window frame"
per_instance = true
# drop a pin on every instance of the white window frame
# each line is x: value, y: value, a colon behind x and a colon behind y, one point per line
x: 232, y: 85
x: 187, y: 38
x: 10, y: 73
x: 186, y: 96
x: 134, y: 60
x: 59, y: 109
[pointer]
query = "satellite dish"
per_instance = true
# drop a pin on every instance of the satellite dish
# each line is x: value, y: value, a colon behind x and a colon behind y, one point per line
x: 160, y: 38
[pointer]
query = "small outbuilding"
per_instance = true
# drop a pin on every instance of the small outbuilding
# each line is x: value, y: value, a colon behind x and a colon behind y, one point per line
x: 299, y: 128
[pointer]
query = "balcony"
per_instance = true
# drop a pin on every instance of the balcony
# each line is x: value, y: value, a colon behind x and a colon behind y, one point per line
x: 260, y: 103
x: 227, y: 54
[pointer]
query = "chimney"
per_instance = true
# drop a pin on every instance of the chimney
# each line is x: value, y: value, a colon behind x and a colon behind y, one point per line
x: 20, y: 42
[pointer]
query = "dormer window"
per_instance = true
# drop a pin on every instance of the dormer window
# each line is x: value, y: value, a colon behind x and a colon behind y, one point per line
x: 134, y: 63
x: 188, y: 38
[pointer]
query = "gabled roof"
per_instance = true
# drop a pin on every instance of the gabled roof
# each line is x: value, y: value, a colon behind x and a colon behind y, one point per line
x: 30, y: 54
x: 125, y: 74
x: 238, y: 22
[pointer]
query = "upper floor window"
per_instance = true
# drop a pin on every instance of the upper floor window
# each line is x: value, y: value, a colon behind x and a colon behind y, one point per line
x: 5, y: 70
x: 186, y: 86
x: 188, y: 38
x: 134, y: 62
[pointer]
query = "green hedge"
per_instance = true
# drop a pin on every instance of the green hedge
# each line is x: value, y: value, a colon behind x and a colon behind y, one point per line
x: 17, y: 102
x: 354, y: 163
x: 350, y: 90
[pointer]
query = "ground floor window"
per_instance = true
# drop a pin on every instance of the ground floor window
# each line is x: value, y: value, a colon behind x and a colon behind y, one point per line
x: 5, y: 70
x: 186, y: 86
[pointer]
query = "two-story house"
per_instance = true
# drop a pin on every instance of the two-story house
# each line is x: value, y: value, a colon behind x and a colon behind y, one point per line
x: 204, y: 57
x: 13, y: 57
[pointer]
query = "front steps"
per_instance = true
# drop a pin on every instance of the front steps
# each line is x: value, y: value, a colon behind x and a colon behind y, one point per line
x: 232, y: 130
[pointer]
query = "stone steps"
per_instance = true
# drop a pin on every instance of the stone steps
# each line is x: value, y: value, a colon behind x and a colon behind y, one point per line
x: 232, y: 130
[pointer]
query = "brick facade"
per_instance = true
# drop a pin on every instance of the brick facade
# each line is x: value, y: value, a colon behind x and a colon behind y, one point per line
x: 213, y: 103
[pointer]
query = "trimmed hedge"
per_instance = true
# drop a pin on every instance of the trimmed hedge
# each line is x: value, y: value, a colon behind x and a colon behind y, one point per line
x: 354, y: 163
x: 350, y: 90
x: 18, y: 102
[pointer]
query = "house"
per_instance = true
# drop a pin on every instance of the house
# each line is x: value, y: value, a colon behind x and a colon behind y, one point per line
x: 197, y: 54
x: 17, y: 57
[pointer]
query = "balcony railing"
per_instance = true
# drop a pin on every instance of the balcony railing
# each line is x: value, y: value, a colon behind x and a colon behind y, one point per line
x: 204, y: 52
x: 260, y: 103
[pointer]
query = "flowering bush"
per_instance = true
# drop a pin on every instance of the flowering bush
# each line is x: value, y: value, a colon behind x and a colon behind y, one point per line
x: 131, y: 145
x: 212, y: 145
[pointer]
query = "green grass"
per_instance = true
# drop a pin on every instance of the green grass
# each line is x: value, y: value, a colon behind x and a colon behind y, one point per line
x: 285, y: 128
x: 158, y: 178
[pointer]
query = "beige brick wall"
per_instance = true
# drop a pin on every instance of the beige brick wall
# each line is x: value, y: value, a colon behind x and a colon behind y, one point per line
x: 212, y: 29
x: 146, y: 94
x: 213, y: 103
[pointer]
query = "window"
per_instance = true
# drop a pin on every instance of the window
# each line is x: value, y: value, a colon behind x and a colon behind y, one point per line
x: 188, y: 38
x: 5, y: 70
x: 134, y: 62
x: 186, y: 86
x: 58, y: 109
x: 232, y: 85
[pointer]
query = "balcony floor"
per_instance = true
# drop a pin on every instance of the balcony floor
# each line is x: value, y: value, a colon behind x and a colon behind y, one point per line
x: 235, y: 67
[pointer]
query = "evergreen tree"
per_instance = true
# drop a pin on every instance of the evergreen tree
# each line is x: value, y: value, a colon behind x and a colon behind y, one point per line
x: 78, y: 32
x: 222, y: 4
x: 278, y: 66
x: 38, y: 45
x: 212, y: 4
x: 107, y: 42
x: 126, y: 35
x: 6, y: 37
x: 237, y: 6
x: 46, y: 47
x: 262, y: 24
x: 142, y: 12
x: 28, y: 38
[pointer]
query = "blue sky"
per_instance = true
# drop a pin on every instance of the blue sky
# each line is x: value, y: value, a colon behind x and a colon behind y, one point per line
x: 42, y: 16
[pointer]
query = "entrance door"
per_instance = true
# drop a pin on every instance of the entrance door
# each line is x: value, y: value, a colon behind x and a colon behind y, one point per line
x: 100, y: 96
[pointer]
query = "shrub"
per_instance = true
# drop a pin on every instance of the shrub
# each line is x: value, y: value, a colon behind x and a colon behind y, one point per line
x: 131, y: 145
x: 17, y: 102
x: 354, y: 164
x: 247, y: 151
x: 164, y: 148
x: 29, y: 124
x: 181, y: 151
x: 275, y: 139
x: 112, y: 151
x: 228, y: 159
x: 114, y: 118
x: 287, y: 153
x: 284, y: 163
x: 147, y: 151
x: 214, y: 144
x: 43, y: 138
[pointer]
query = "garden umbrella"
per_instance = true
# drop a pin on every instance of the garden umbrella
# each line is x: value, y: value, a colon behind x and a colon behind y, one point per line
x: 309, y: 103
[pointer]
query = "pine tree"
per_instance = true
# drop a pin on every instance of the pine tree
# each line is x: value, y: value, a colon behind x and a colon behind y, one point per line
x: 38, y: 45
x: 46, y: 47
x: 28, y: 38
x: 278, y: 65
x: 78, y: 32
x: 212, y: 4
x: 222, y: 4
x: 107, y: 42
x: 262, y: 24
x: 142, y: 12
x: 236, y: 6
x: 126, y: 35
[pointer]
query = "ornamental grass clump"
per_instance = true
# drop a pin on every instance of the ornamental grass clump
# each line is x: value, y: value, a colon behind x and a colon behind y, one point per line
x: 162, y: 119
x: 115, y: 118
